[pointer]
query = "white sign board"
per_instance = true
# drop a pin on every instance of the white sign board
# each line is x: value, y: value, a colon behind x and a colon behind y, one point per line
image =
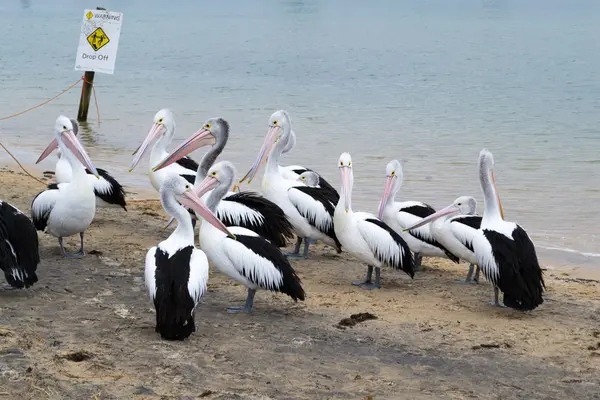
x: 99, y: 41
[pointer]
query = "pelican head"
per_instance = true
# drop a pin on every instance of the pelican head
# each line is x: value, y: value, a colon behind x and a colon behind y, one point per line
x: 345, y: 165
x: 280, y: 126
x: 163, y: 126
x: 309, y: 178
x: 213, y: 131
x: 464, y: 205
x: 67, y: 141
x: 393, y: 182
x: 183, y: 192
x: 486, y: 168
x: 221, y: 174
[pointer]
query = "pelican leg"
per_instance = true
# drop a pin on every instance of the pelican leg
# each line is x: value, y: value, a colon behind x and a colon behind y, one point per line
x: 64, y: 252
x: 367, y: 279
x: 477, y: 270
x: 469, y: 279
x: 296, y: 253
x: 246, y: 307
x: 418, y: 259
x: 377, y: 284
x: 496, y: 302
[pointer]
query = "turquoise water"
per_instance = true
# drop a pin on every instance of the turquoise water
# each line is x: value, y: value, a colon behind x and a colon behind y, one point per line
x: 427, y: 82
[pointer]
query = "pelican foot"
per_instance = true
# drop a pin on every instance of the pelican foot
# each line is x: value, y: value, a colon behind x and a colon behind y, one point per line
x: 466, y: 281
x: 371, y: 286
x: 362, y: 283
x: 7, y: 287
x: 497, y: 304
x: 295, y: 256
x: 235, y: 309
x: 246, y: 307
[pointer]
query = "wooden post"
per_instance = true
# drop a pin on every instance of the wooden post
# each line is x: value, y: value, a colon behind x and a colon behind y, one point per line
x: 86, y: 91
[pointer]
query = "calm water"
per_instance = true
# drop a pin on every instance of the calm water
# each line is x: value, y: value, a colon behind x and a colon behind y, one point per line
x: 427, y: 82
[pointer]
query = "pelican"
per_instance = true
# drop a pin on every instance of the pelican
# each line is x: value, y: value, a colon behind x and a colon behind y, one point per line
x: 309, y: 178
x: 400, y: 215
x: 19, y: 253
x: 68, y: 208
x: 247, y: 258
x: 293, y: 172
x: 371, y: 240
x: 310, y: 210
x: 503, y: 249
x: 456, y: 232
x: 109, y: 192
x: 176, y: 271
x: 246, y: 209
x: 161, y: 134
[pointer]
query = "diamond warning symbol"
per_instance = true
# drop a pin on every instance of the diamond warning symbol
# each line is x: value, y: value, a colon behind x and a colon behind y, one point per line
x: 98, y: 39
x: 89, y: 15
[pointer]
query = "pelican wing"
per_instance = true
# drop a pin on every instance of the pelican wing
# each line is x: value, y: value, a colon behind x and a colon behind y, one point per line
x: 262, y: 264
x: 42, y: 206
x: 107, y: 188
x: 19, y: 247
x: 150, y: 271
x: 198, y: 275
x: 464, y: 228
x: 315, y: 205
x: 387, y: 246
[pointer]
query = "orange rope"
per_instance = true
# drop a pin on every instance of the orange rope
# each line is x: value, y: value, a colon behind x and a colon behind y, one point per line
x: 22, y: 167
x: 92, y: 84
x: 41, y: 104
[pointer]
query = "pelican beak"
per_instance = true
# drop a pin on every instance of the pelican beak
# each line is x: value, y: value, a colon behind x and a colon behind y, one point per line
x: 49, y: 149
x: 70, y: 140
x: 201, y: 138
x: 497, y: 195
x: 451, y: 209
x: 156, y: 131
x: 270, y: 139
x: 192, y: 199
x: 387, y: 191
x: 345, y: 171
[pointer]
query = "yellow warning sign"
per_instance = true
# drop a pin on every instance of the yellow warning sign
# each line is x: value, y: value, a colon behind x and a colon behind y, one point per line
x: 98, y: 39
x: 89, y: 15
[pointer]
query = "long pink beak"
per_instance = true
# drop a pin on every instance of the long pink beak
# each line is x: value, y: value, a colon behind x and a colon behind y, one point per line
x: 387, y: 191
x: 156, y: 131
x: 49, y: 149
x: 206, y: 185
x: 201, y: 138
x: 191, y: 200
x: 451, y: 209
x: 270, y: 140
x: 345, y: 171
x: 70, y: 141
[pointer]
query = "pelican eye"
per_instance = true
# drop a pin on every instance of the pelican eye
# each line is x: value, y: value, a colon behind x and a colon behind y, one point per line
x: 207, y: 126
x: 187, y: 186
x: 341, y: 163
x: 160, y: 121
x: 274, y: 122
x: 214, y: 173
x: 349, y: 163
x: 393, y: 173
x: 459, y: 204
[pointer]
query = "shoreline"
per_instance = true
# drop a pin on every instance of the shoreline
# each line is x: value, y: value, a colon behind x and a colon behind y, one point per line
x: 86, y: 329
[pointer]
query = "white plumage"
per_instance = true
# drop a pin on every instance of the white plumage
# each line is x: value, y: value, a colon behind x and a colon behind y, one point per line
x: 367, y: 237
x: 70, y: 207
x: 401, y: 215
x: 248, y: 258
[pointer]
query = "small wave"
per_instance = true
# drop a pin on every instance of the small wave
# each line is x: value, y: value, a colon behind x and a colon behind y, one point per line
x: 566, y: 249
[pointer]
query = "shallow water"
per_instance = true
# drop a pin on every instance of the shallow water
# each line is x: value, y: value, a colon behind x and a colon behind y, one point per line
x: 427, y: 82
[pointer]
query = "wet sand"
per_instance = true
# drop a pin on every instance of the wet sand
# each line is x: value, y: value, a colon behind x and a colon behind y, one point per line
x: 86, y: 329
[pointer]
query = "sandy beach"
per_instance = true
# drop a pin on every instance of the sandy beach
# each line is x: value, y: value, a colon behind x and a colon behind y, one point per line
x: 86, y: 329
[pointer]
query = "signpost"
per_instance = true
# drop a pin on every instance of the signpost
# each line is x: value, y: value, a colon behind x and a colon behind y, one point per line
x: 97, y: 50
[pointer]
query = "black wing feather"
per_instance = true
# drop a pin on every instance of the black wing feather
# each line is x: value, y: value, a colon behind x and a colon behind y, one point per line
x: 291, y: 283
x: 406, y: 263
x: 474, y: 221
x: 422, y: 211
x: 116, y: 195
x: 328, y: 200
x: 276, y: 227
x: 520, y: 277
x: 18, y: 235
x: 188, y: 163
x: 172, y: 301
